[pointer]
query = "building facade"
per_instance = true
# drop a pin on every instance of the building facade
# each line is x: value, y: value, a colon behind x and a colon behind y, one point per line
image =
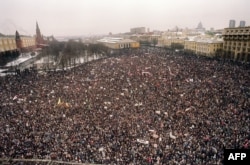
x: 237, y: 43
x: 168, y: 42
x: 190, y: 45
x: 232, y: 24
x: 28, y: 43
x: 208, y: 48
x: 138, y: 30
x: 119, y: 43
x: 8, y: 50
x: 204, y: 47
x: 146, y: 38
x: 7, y: 44
x: 25, y: 43
x: 242, y: 23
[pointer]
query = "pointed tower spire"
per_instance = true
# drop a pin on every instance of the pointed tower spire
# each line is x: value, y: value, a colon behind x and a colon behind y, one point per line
x: 17, y: 36
x: 38, y: 32
x: 39, y: 38
x: 18, y: 41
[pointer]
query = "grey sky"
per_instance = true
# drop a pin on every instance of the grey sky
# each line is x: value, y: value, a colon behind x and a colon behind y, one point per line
x: 84, y: 17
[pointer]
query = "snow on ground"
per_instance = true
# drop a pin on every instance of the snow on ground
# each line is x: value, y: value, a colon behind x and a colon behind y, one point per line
x: 2, y: 70
x: 23, y: 57
x: 87, y: 59
x: 26, y: 56
x: 43, y: 60
x: 4, y: 74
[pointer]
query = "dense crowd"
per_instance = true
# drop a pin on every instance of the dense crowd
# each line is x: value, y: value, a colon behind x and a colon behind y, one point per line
x: 143, y: 107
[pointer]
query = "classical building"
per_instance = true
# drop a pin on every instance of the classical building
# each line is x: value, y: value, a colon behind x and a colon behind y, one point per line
x: 206, y: 47
x: 190, y: 45
x: 8, y: 49
x: 7, y: 44
x: 169, y: 41
x: 237, y: 43
x: 119, y: 43
x: 28, y: 42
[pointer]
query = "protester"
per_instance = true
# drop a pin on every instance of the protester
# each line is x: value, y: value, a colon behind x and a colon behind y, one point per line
x: 147, y: 106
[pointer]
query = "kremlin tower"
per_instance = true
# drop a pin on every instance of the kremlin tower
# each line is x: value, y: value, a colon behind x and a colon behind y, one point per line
x: 39, y: 38
x: 19, y: 42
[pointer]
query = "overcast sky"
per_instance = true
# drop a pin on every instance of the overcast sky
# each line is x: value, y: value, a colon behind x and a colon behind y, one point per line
x: 85, y: 17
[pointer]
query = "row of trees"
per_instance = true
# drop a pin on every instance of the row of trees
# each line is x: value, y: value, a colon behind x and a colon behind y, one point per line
x: 69, y: 51
x: 74, y: 48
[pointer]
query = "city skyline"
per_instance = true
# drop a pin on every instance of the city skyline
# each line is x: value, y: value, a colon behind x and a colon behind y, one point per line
x: 89, y: 17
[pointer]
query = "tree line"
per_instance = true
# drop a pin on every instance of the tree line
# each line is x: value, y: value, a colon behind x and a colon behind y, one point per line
x: 73, y: 49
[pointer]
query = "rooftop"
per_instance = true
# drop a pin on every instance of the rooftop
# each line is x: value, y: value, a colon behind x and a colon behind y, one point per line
x: 205, y: 40
x: 115, y: 40
x: 245, y: 27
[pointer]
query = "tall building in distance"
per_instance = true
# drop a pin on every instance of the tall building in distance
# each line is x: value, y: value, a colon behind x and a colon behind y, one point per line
x: 199, y: 26
x: 232, y: 23
x: 138, y: 30
x: 242, y: 23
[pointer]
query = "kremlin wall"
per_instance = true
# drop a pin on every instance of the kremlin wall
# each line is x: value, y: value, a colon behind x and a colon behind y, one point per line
x: 12, y: 46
